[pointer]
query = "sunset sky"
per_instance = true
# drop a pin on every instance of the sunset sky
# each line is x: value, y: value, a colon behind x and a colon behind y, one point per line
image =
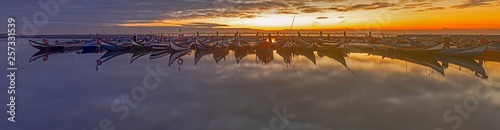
x: 123, y: 16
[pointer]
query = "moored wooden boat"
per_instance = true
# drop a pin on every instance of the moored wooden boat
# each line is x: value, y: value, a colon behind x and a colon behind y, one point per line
x: 432, y: 49
x: 183, y: 45
x: 114, y: 46
x: 469, y: 51
x: 495, y: 44
x: 46, y: 46
x: 141, y: 45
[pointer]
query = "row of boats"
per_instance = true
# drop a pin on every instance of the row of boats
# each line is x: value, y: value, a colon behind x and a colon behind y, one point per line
x: 180, y: 43
x: 438, y: 63
x: 269, y: 43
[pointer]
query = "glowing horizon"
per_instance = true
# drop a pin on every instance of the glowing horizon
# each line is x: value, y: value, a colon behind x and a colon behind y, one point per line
x: 372, y: 16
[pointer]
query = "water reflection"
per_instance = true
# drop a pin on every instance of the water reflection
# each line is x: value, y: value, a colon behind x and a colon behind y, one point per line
x: 437, y: 63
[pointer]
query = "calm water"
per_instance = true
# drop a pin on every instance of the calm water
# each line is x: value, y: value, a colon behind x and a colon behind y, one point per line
x: 344, y: 90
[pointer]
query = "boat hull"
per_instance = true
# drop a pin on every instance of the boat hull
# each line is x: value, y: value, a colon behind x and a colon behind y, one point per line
x: 180, y: 47
x: 114, y: 47
x: 472, y: 51
x: 45, y: 47
x: 140, y: 46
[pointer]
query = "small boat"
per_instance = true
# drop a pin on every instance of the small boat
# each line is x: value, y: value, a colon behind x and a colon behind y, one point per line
x: 241, y: 44
x: 182, y: 45
x: 160, y: 46
x: 114, y: 46
x: 202, y: 44
x: 495, y: 44
x: 469, y: 51
x: 222, y: 45
x: 141, y: 46
x: 90, y: 46
x: 145, y: 44
x: 432, y: 49
x: 336, y: 54
x: 284, y: 43
x: 280, y: 42
x: 330, y: 44
x: 299, y: 43
x: 240, y: 53
x: 46, y: 46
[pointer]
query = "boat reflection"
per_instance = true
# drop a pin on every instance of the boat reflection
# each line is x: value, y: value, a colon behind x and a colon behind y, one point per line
x: 158, y: 54
x: 139, y: 53
x: 465, y: 62
x: 46, y: 54
x: 337, y: 54
x: 177, y: 56
x: 286, y: 53
x: 425, y: 60
x: 309, y: 54
x: 110, y: 55
x: 199, y: 54
x: 438, y: 63
x: 240, y: 53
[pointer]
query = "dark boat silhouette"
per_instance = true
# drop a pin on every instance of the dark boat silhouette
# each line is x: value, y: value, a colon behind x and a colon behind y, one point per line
x: 240, y: 53
x: 199, y: 54
x: 56, y: 46
x: 139, y: 53
x: 336, y: 54
x: 176, y: 55
x: 466, y: 62
x: 220, y: 54
x: 159, y: 53
x: 286, y: 53
x: 115, y: 45
x: 425, y: 60
x: 265, y: 56
x: 490, y: 55
x: 309, y: 54
x: 45, y: 54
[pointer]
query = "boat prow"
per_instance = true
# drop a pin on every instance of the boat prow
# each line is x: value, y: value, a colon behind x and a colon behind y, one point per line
x: 471, y: 51
x: 45, y: 47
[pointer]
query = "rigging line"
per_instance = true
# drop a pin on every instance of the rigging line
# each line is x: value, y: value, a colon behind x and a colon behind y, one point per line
x: 72, y: 62
x: 103, y: 68
x: 296, y: 75
x: 290, y: 31
x: 102, y: 29
x: 293, y: 66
